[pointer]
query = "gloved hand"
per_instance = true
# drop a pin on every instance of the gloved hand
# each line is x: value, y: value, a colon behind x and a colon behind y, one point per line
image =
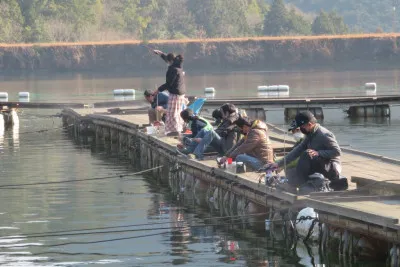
x: 269, y: 167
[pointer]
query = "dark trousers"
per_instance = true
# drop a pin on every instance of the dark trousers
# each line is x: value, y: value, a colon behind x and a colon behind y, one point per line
x: 307, y: 166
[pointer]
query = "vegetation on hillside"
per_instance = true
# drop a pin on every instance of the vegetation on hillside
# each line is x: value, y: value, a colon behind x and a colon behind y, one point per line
x: 105, y: 20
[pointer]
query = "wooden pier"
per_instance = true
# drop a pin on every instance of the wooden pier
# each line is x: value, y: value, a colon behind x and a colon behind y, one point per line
x: 369, y: 210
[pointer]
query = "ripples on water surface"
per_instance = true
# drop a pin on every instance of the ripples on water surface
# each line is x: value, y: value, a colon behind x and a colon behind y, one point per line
x: 51, y: 156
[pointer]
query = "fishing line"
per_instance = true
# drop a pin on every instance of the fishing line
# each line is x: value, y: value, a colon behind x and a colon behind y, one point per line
x: 186, y: 227
x: 129, y: 230
x: 53, y: 233
x: 80, y: 180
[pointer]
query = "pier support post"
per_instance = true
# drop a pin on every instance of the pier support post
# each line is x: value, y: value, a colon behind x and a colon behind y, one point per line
x: 114, y: 135
x: 369, y: 111
x: 290, y: 113
x: 106, y: 133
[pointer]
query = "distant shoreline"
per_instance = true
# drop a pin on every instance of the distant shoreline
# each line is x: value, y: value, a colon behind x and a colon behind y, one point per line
x: 230, y: 54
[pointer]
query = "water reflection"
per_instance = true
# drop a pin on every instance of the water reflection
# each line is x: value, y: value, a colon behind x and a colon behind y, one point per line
x: 124, y: 98
x: 1, y: 131
x: 15, y: 130
x: 273, y: 94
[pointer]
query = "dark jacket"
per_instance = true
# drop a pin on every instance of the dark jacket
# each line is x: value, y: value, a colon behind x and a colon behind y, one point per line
x: 197, y: 124
x: 228, y: 131
x: 162, y: 99
x: 175, y: 83
x: 321, y: 140
x: 255, y: 144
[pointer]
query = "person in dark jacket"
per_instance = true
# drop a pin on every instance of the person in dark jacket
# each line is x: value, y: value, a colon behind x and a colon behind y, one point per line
x: 319, y: 152
x: 175, y: 84
x: 201, y: 136
x: 159, y: 104
x: 255, y: 149
x: 227, y: 129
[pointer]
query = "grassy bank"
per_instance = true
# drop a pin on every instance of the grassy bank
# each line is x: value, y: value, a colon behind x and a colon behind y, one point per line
x: 205, y: 54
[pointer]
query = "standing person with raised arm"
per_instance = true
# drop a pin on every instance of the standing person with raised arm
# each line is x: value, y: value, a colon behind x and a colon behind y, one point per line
x: 175, y: 84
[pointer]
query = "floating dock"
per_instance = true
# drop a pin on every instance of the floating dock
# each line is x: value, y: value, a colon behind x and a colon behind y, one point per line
x: 363, y: 219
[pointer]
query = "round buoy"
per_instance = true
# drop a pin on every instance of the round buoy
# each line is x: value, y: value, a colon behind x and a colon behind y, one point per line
x: 305, y: 224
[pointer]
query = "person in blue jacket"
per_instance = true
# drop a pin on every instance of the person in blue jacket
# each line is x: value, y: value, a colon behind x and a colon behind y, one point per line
x: 159, y: 104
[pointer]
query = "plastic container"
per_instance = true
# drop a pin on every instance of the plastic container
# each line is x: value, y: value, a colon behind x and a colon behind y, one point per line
x: 229, y: 160
x: 268, y: 177
x: 150, y: 130
x: 231, y: 167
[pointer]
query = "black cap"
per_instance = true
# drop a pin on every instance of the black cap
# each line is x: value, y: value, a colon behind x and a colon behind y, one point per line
x: 304, y: 118
x: 216, y: 114
x: 186, y: 114
x: 148, y: 93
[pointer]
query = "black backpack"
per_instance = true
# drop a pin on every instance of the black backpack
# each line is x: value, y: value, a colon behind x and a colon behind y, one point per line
x: 316, y: 183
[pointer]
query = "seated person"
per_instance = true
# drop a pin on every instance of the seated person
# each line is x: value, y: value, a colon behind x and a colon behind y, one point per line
x: 227, y: 129
x: 255, y: 148
x: 159, y: 103
x: 319, y: 152
x: 202, y: 135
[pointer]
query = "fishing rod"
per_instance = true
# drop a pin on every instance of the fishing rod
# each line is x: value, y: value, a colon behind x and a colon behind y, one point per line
x: 80, y: 180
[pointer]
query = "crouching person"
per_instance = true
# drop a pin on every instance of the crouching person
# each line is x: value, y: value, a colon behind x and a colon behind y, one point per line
x: 319, y: 152
x: 202, y: 135
x: 255, y: 148
x: 159, y: 104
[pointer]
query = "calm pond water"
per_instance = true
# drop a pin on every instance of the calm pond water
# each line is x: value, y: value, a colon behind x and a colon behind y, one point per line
x: 100, y: 222
x: 373, y: 135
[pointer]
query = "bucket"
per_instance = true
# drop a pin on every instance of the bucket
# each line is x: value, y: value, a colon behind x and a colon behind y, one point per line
x: 150, y: 130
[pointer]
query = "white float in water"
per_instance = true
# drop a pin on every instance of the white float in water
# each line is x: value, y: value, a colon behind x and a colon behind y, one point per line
x: 3, y: 96
x: 124, y: 92
x: 273, y: 88
x: 370, y: 89
x: 370, y: 86
x: 23, y: 95
x: 207, y: 95
x: 209, y: 90
x: 304, y: 226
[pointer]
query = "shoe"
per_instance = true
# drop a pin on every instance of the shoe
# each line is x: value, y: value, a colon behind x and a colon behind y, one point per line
x: 182, y: 151
x: 173, y: 134
x: 191, y: 156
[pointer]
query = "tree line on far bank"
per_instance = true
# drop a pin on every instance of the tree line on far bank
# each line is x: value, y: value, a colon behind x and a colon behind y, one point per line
x: 106, y: 20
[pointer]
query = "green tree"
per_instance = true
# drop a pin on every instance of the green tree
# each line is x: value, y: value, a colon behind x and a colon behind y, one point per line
x: 255, y: 16
x: 11, y: 22
x: 298, y: 24
x: 277, y: 21
x: 32, y: 11
x: 221, y: 18
x: 328, y: 23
